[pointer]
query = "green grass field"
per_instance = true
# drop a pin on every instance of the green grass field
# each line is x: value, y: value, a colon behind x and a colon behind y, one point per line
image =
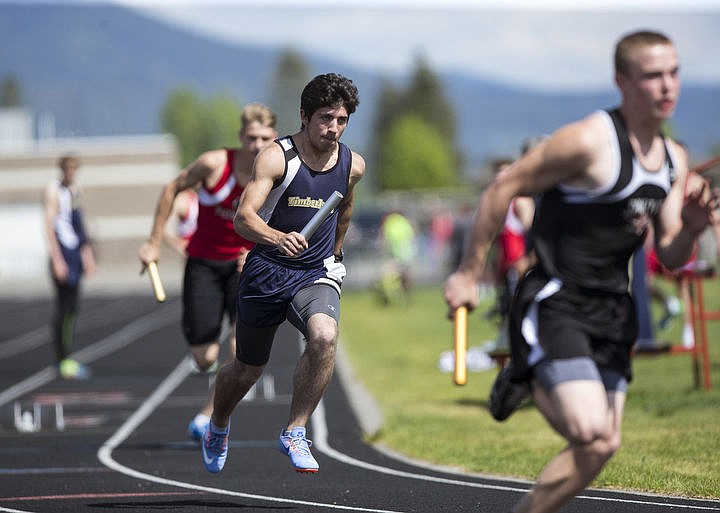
x: 671, y: 441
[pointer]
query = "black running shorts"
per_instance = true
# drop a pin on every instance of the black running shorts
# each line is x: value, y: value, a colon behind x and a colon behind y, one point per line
x: 550, y: 321
x: 209, y: 290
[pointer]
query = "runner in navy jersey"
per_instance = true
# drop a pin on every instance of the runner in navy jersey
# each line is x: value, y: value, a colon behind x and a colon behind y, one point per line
x: 602, y: 182
x: 287, y: 276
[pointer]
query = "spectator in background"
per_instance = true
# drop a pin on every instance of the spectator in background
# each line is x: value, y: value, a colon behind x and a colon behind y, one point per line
x: 442, y: 225
x: 400, y: 249
x: 514, y: 245
x: 641, y: 288
x: 514, y: 251
x: 462, y: 223
x: 71, y: 257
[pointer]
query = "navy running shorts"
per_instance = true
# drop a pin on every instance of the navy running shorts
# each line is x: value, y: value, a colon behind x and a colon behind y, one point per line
x: 270, y: 293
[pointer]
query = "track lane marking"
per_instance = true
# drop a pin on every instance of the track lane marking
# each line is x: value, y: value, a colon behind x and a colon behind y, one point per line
x: 148, y: 406
x: 121, y: 495
x: 320, y: 434
x: 95, y: 351
x: 10, y: 510
x: 39, y: 336
x: 51, y: 470
x: 320, y: 442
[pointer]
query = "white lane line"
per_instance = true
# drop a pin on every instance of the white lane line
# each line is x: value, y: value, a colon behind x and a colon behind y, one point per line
x: 649, y: 503
x: 165, y: 388
x: 93, y: 352
x: 125, y: 335
x: 25, y: 342
x: 41, y: 336
x: 320, y: 435
x: 320, y: 442
x: 29, y: 384
x: 10, y: 510
x: 51, y: 470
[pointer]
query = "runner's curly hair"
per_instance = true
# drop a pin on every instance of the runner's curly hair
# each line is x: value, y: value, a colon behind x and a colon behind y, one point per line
x: 329, y: 90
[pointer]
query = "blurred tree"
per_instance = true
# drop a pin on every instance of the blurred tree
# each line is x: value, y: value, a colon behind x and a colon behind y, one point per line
x: 289, y: 79
x: 387, y: 109
x: 179, y: 117
x: 222, y: 119
x: 422, y: 100
x: 415, y: 156
x: 10, y: 92
x: 426, y: 98
x: 200, y: 125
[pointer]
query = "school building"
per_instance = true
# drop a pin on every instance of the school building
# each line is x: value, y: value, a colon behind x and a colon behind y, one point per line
x: 120, y: 179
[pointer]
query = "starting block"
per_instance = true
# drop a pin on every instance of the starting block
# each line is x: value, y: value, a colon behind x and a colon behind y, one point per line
x: 29, y: 420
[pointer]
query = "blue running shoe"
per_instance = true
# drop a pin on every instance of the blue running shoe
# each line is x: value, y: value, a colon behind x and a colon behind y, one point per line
x: 294, y: 444
x: 196, y: 430
x: 215, y: 448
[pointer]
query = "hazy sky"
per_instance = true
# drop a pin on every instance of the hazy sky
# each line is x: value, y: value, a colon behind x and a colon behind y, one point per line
x: 546, y: 45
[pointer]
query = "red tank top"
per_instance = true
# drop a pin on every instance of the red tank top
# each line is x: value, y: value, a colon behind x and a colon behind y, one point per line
x: 215, y: 237
x: 511, y: 240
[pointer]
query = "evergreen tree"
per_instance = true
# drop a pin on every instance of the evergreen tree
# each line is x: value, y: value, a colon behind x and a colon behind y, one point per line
x: 10, y: 92
x: 421, y: 106
x: 426, y: 98
x: 386, y: 111
x: 415, y: 156
x: 290, y: 76
x: 200, y: 125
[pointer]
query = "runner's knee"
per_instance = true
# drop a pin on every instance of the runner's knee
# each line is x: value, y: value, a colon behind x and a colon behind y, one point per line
x: 598, y: 439
x: 205, y: 355
x: 322, y: 334
x: 247, y: 373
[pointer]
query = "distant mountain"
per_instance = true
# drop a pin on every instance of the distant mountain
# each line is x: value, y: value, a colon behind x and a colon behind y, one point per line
x: 106, y: 70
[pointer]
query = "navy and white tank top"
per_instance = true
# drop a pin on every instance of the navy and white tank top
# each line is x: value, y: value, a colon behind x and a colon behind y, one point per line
x: 69, y: 224
x: 586, y: 237
x: 292, y: 203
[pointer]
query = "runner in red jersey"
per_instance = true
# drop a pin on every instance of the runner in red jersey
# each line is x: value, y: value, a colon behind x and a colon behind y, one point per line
x: 670, y: 303
x: 514, y: 247
x: 216, y: 254
x: 511, y: 239
x: 215, y: 237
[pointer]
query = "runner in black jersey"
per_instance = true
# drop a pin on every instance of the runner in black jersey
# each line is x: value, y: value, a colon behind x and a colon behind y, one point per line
x: 601, y: 182
x: 286, y: 276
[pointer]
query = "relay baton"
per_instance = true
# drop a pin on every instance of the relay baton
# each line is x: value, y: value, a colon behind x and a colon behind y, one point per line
x: 156, y: 283
x: 321, y: 215
x: 460, y: 336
